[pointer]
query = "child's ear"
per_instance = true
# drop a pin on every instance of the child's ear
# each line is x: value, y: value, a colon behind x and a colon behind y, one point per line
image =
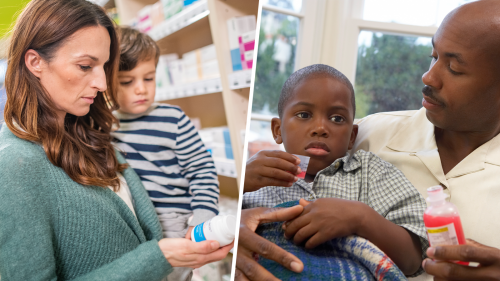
x: 276, y: 128
x: 354, y: 134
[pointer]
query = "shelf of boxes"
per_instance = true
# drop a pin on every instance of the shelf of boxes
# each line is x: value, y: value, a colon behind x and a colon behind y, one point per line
x: 240, y: 79
x: 202, y: 87
x: 217, y: 140
x: 196, y: 73
x: 191, y: 15
x: 222, y: 14
x: 211, y: 90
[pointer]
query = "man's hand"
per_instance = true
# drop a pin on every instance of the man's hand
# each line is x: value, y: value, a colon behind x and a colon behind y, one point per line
x: 249, y: 243
x: 323, y: 220
x: 271, y: 168
x: 487, y: 257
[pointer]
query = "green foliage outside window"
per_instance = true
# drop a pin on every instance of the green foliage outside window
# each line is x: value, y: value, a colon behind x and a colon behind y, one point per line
x: 268, y: 78
x: 389, y: 74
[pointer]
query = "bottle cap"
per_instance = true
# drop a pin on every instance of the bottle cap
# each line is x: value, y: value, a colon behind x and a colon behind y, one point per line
x: 230, y: 226
x: 435, y: 194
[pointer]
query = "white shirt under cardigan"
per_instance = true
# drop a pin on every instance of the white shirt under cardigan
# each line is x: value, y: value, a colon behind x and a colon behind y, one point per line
x: 406, y: 139
x: 124, y: 193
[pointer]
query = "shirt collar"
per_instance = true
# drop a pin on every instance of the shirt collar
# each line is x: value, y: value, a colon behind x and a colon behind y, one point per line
x: 417, y: 137
x: 421, y: 131
x: 347, y: 163
x: 127, y: 116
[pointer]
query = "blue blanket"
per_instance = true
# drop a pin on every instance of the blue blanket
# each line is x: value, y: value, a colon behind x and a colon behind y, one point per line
x: 346, y: 258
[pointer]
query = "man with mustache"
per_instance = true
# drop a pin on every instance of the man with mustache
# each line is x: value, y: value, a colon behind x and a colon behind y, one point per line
x: 453, y: 141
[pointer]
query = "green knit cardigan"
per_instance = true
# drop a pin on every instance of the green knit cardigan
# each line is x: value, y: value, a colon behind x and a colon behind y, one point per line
x: 52, y: 228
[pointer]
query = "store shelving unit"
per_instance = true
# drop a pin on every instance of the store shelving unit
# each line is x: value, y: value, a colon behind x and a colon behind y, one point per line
x: 216, y: 102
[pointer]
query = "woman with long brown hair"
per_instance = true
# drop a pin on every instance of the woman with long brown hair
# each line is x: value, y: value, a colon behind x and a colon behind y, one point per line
x: 69, y: 206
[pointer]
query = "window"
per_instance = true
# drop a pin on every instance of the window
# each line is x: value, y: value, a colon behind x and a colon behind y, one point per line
x: 411, y: 12
x: 388, y: 72
x: 383, y: 46
x: 276, y: 60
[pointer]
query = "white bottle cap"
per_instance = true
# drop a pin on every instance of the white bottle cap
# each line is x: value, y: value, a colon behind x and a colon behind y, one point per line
x: 436, y: 194
x: 229, y: 227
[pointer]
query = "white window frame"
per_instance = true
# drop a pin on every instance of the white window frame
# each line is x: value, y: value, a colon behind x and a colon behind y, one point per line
x: 340, y: 37
x: 308, y: 48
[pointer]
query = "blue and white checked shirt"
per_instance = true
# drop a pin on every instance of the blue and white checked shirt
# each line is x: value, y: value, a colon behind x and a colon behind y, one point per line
x: 364, y: 177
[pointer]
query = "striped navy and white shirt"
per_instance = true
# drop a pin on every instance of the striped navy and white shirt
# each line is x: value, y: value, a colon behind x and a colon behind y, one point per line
x: 166, y: 151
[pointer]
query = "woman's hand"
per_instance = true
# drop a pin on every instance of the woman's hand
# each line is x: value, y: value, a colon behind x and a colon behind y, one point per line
x: 249, y: 242
x: 271, y: 168
x: 181, y: 252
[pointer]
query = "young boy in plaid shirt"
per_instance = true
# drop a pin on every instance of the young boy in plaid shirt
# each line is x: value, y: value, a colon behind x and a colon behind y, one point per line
x: 351, y: 195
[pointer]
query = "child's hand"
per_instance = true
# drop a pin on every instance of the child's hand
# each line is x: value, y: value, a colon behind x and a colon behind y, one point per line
x: 323, y: 220
x: 188, y: 233
x: 271, y: 168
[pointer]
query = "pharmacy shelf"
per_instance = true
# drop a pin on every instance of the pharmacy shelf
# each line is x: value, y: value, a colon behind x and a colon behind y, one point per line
x: 198, y: 88
x: 189, y: 17
x: 225, y: 167
x: 235, y: 100
x: 201, y: 24
x: 240, y: 79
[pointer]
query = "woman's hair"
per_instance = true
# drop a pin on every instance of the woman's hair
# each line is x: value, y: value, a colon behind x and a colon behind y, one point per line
x: 83, y: 147
x: 136, y: 46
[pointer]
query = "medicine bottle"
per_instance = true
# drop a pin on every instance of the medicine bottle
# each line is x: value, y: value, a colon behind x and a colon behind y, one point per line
x: 442, y: 220
x: 220, y: 228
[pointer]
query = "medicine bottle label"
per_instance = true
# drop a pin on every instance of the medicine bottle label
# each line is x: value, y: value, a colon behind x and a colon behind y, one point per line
x: 443, y: 235
x: 198, y: 233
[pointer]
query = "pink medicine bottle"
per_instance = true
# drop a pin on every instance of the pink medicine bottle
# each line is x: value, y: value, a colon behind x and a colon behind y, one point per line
x: 442, y: 220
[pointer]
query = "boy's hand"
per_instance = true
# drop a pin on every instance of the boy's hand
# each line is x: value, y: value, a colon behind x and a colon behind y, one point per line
x: 188, y: 233
x: 323, y: 220
x: 271, y: 168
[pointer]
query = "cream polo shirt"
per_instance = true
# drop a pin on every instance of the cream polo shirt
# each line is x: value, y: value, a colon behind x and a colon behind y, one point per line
x: 406, y: 139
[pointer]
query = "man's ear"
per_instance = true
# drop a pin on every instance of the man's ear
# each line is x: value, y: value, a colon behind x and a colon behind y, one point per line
x: 34, y: 62
x: 276, y: 128
x: 354, y: 134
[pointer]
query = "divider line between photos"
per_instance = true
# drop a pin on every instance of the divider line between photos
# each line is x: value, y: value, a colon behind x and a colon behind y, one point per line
x: 245, y: 146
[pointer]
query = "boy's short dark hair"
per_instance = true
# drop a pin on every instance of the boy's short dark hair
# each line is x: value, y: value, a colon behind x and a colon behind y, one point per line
x: 134, y: 47
x: 315, y: 70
